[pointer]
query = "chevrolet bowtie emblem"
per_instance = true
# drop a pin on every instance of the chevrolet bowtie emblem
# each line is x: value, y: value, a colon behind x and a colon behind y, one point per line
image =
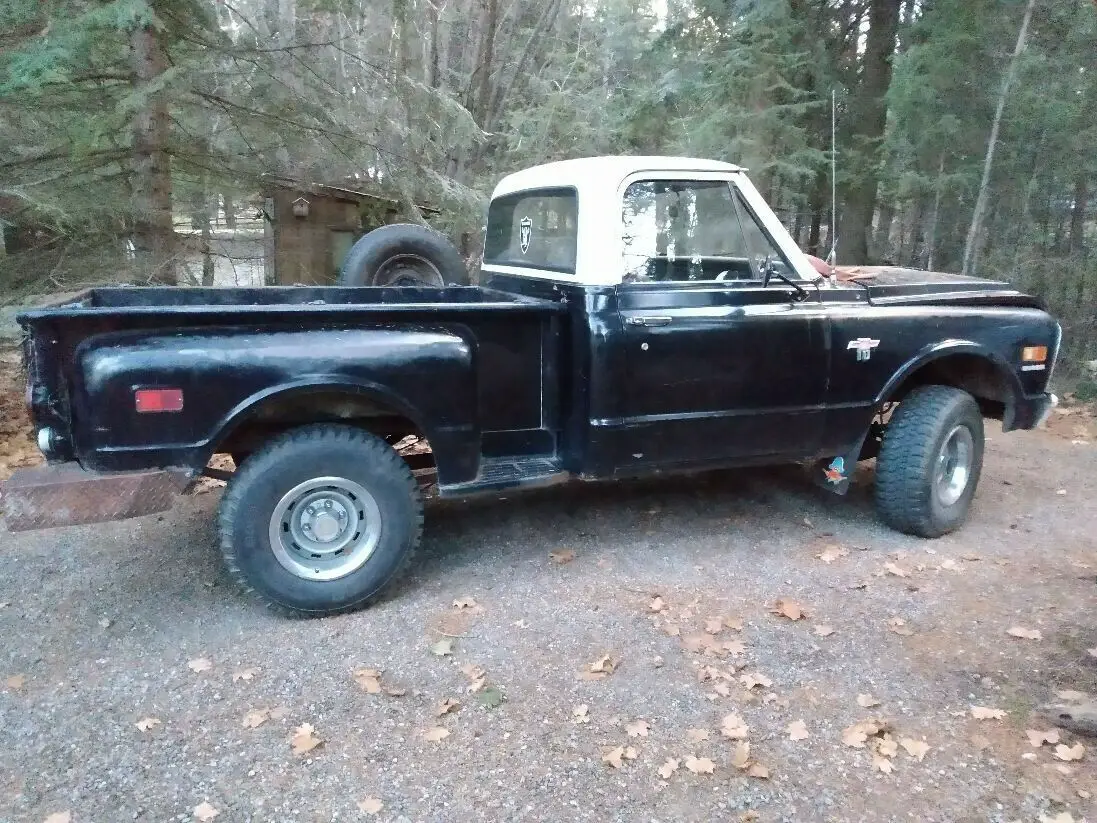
x: 863, y: 346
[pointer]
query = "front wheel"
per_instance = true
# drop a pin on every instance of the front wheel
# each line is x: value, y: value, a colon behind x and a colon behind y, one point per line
x: 321, y: 519
x: 929, y: 462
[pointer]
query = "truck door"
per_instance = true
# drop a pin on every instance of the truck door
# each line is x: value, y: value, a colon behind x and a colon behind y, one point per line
x: 716, y: 367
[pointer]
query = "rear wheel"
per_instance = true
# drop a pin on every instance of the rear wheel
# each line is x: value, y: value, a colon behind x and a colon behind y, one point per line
x: 321, y: 519
x: 930, y: 460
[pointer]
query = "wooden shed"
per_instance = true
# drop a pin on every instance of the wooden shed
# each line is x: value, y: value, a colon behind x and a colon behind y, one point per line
x: 310, y: 227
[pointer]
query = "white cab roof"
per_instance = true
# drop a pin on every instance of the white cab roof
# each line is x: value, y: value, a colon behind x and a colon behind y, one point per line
x: 602, y: 172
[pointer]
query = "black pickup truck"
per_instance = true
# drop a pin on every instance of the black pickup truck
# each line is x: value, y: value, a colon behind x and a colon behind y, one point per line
x: 636, y: 316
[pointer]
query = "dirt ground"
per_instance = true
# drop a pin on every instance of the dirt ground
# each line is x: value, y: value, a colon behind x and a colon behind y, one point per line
x: 137, y: 683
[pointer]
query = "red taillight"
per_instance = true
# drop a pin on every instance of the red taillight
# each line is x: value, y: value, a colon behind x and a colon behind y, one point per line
x: 158, y: 400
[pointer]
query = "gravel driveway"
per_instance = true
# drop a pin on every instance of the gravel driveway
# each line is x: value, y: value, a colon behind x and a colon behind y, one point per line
x: 104, y: 627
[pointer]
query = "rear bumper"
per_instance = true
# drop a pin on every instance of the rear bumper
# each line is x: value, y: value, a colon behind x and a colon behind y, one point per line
x: 65, y: 494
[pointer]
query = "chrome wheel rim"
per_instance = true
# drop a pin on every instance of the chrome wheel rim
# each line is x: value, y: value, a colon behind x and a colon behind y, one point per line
x: 325, y: 528
x: 408, y: 270
x: 954, y: 461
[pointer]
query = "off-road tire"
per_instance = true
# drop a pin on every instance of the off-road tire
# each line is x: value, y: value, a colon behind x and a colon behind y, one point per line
x: 296, y: 457
x: 370, y: 254
x: 906, y: 498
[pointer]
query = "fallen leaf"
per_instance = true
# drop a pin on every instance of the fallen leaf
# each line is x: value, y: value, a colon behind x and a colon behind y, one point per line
x: 256, y: 718
x: 562, y: 556
x: 245, y: 674
x: 369, y: 680
x: 759, y: 771
x: 886, y: 746
x: 753, y: 679
x: 740, y: 758
x: 899, y: 626
x: 983, y: 713
x: 637, y: 728
x: 16, y: 682
x: 278, y: 712
x: 579, y: 714
x: 1062, y: 817
x: 734, y: 727
x: 832, y: 553
x: 616, y: 756
x: 700, y: 765
x: 856, y: 735
x: 395, y: 691
x: 734, y: 623
x: 883, y: 764
x: 895, y: 570
x: 200, y: 664
x: 672, y: 630
x: 714, y: 625
x: 205, y: 812
x: 304, y: 739
x: 867, y: 701
x: 147, y: 723
x: 370, y: 805
x: 465, y: 603
x: 668, y: 768
x: 1065, y: 752
x: 823, y: 631
x: 657, y: 661
x: 59, y: 817
x: 951, y: 565
x: 657, y: 605
x: 1038, y: 738
x: 721, y: 689
x: 734, y: 647
x: 442, y: 647
x: 1092, y: 652
x: 446, y: 706
x: 797, y: 730
x: 602, y: 667
x: 789, y: 608
x: 435, y: 734
x: 697, y: 735
x: 1025, y: 634
x: 915, y: 748
x: 748, y: 816
x: 490, y: 698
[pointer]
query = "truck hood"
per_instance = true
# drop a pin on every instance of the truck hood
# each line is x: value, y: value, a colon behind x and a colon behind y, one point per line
x: 892, y: 285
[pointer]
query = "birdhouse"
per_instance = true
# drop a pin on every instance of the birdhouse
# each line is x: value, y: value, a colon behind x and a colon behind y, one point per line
x: 301, y: 207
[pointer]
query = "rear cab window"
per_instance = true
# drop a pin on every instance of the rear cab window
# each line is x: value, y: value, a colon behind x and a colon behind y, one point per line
x: 534, y: 229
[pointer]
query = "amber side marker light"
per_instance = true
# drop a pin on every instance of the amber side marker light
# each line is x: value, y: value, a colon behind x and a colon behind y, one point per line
x: 158, y: 400
x: 1034, y: 354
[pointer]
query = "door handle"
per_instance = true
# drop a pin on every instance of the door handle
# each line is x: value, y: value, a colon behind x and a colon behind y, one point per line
x: 648, y: 320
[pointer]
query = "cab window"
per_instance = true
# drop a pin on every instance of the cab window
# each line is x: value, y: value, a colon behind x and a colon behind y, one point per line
x: 533, y: 229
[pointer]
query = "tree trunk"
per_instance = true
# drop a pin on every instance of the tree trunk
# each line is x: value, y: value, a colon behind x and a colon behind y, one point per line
x: 483, y: 62
x: 153, y: 232
x: 931, y: 232
x: 433, y: 75
x: 869, y: 116
x: 881, y: 238
x: 1076, y: 245
x: 975, y: 230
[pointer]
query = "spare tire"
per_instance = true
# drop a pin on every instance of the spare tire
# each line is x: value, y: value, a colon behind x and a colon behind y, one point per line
x: 403, y: 254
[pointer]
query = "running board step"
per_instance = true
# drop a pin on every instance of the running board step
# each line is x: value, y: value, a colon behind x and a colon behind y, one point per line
x: 510, y: 472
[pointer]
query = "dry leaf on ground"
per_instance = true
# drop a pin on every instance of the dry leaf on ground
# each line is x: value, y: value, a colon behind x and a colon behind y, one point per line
x: 856, y: 735
x: 637, y: 728
x: 370, y: 805
x: 446, y: 706
x: 899, y: 626
x: 395, y: 691
x: 465, y: 603
x: 886, y: 746
x: 256, y: 718
x: 700, y: 765
x: 657, y: 605
x: 616, y: 756
x: 304, y: 739
x: 1068, y: 753
x: 369, y: 680
x: 245, y: 674
x: 753, y: 679
x: 734, y: 647
x: 579, y: 714
x: 442, y: 647
x: 867, y: 701
x: 59, y: 817
x: 472, y: 671
x: 797, y: 730
x: 734, y: 727
x: 16, y: 682
x: 832, y: 553
x: 984, y: 713
x: 1038, y: 738
x: 1092, y: 652
x: 601, y: 668
x: 697, y: 735
x: 714, y: 625
x: 897, y: 571
x: 668, y: 768
x: 205, y: 812
x: 740, y: 758
x: 1062, y: 817
x: 1025, y: 634
x: 435, y: 734
x: 147, y: 723
x: 823, y: 631
x: 784, y: 607
x: 200, y: 664
x: 759, y: 771
x: 562, y: 556
x: 883, y: 764
x: 915, y: 748
x: 734, y: 623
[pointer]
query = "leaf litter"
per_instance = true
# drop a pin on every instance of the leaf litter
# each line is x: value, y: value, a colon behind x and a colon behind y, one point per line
x: 305, y: 739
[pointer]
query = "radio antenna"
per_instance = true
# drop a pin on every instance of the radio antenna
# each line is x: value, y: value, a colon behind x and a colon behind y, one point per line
x: 832, y: 256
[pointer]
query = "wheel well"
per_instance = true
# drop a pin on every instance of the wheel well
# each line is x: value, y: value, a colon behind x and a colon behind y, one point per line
x: 284, y: 412
x: 976, y: 375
